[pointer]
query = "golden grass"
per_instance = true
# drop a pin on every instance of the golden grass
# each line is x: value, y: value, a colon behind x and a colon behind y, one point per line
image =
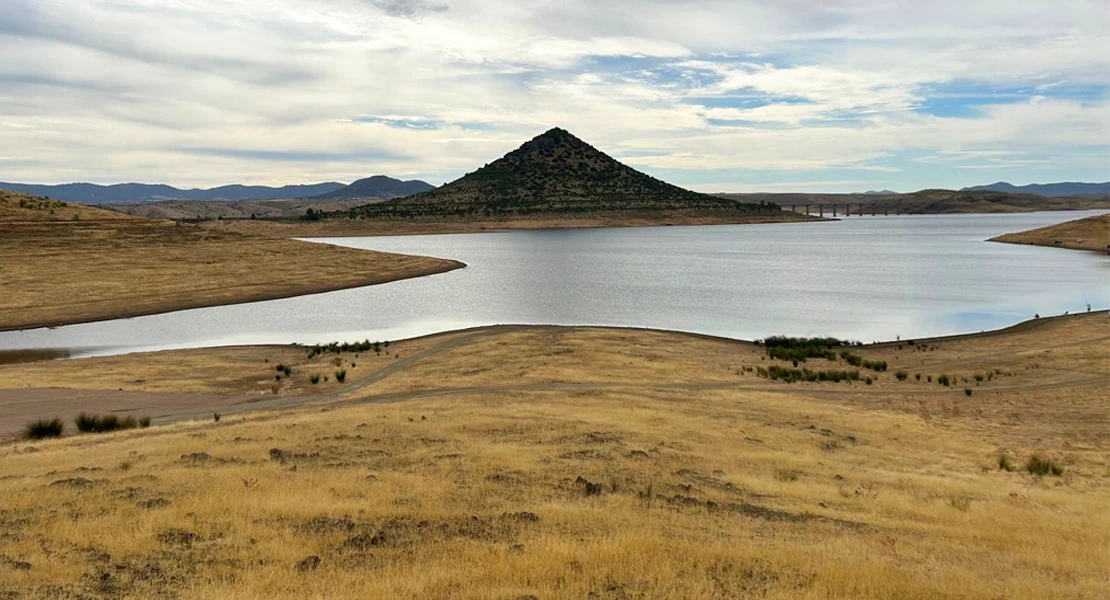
x: 57, y: 270
x: 1091, y: 233
x: 697, y: 490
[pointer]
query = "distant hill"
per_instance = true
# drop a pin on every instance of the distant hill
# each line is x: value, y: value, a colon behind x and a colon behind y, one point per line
x: 1068, y: 188
x: 558, y: 175
x: 926, y: 202
x: 879, y: 193
x: 377, y: 187
x: 91, y: 193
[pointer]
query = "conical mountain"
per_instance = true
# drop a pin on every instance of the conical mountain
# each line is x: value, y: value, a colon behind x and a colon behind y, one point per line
x: 558, y: 174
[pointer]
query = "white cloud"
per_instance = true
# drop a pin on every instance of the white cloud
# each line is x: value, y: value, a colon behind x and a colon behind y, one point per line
x: 201, y: 92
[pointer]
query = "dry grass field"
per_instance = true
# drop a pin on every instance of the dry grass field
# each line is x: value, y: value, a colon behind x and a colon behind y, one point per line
x: 1091, y: 233
x: 62, y: 263
x: 545, y: 462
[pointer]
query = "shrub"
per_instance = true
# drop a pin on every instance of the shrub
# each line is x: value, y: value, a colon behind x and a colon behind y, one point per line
x: 944, y: 380
x: 868, y: 380
x: 960, y: 503
x: 1004, y: 463
x: 43, y: 428
x: 1039, y: 466
x: 967, y: 391
x: 315, y: 378
x: 85, y: 423
x: 89, y: 423
x: 107, y: 423
x: 902, y: 375
x: 216, y: 417
x: 341, y: 375
x: 917, y: 376
x: 786, y: 475
x: 853, y: 359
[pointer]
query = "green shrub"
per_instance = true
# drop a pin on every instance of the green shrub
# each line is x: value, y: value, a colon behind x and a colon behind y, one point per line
x: 967, y: 391
x: 341, y: 375
x: 1039, y: 466
x: 868, y: 380
x: 902, y: 375
x: 1004, y: 463
x: 315, y: 378
x: 216, y: 417
x: 43, y: 428
x: 85, y: 423
x: 89, y: 423
x: 944, y: 380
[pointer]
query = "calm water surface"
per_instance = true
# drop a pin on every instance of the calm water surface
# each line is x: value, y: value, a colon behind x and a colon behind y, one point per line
x: 864, y: 278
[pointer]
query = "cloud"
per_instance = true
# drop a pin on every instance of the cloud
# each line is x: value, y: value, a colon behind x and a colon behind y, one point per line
x: 898, y: 94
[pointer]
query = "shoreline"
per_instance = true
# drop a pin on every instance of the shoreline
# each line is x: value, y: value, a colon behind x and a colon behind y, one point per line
x: 372, y: 228
x: 1025, y: 325
x: 261, y: 296
x: 175, y: 386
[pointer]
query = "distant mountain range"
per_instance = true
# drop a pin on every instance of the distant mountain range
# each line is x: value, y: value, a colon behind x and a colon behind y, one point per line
x: 377, y: 187
x: 1068, y: 188
x: 91, y: 193
x: 555, y: 174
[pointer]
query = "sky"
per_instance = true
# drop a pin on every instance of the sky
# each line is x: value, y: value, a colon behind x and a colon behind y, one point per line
x: 713, y: 95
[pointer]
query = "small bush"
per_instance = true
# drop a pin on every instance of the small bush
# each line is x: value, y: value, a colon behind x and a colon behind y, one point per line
x: 89, y: 423
x: 314, y: 379
x: 917, y: 376
x: 944, y: 380
x: 216, y: 417
x: 902, y: 375
x: 960, y: 503
x: 868, y: 380
x: 44, y: 428
x: 1039, y: 466
x: 85, y: 423
x: 786, y: 475
x: 967, y: 391
x: 1004, y: 463
x: 341, y: 375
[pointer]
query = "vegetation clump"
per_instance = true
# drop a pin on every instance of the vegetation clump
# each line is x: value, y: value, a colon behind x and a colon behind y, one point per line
x: 44, y: 428
x: 1040, y: 466
x: 90, y: 423
x: 337, y: 348
x: 858, y: 361
x: 789, y: 375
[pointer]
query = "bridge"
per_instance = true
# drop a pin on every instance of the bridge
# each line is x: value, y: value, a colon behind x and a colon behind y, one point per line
x: 846, y: 209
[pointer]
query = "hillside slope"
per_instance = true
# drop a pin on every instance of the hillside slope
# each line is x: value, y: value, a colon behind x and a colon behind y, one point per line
x: 1092, y: 233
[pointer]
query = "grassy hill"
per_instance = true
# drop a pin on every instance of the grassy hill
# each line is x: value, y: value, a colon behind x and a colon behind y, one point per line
x: 66, y: 263
x: 555, y: 174
x: 937, y: 201
x: 1092, y: 233
x: 568, y: 462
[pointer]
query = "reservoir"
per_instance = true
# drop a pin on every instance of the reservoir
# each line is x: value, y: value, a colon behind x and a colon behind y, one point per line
x: 861, y: 278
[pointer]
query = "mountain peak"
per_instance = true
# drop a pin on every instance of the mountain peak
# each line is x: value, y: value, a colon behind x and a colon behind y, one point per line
x: 555, y: 173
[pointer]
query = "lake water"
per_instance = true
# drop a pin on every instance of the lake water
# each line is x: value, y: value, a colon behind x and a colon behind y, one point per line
x: 863, y: 278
